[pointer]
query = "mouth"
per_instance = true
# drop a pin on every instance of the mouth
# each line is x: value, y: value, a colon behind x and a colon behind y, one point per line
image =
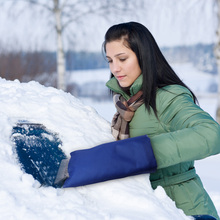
x: 120, y: 77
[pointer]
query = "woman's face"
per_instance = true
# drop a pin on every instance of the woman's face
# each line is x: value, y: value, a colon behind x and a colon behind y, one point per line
x: 123, y: 63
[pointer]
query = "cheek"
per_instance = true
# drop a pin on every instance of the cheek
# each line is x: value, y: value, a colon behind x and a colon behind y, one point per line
x: 136, y: 70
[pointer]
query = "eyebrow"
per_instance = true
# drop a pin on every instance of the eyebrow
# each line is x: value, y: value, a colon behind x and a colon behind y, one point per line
x: 115, y: 55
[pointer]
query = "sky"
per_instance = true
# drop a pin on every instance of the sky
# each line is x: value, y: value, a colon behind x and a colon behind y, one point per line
x: 171, y: 22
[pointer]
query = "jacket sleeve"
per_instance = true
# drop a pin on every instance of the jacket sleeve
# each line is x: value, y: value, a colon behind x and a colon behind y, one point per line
x: 191, y: 133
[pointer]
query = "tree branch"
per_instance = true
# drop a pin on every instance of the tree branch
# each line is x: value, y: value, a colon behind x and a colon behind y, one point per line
x: 39, y: 4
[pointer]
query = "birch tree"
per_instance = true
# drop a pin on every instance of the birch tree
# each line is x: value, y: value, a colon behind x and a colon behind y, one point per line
x: 217, y: 54
x: 66, y: 12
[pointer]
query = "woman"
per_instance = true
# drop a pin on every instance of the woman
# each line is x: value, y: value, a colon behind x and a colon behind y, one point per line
x: 180, y: 132
x: 159, y: 128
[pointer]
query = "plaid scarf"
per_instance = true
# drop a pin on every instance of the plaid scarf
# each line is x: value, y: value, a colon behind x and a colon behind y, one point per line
x: 124, y: 114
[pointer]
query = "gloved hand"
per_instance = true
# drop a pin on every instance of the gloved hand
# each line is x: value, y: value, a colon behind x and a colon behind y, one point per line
x: 109, y: 161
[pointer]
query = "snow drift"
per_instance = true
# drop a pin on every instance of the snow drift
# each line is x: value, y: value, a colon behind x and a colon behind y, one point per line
x: 79, y: 126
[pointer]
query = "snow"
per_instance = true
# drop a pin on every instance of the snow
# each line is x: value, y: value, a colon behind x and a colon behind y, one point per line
x: 81, y: 126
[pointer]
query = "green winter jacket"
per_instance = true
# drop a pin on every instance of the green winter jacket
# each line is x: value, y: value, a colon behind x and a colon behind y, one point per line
x: 183, y: 133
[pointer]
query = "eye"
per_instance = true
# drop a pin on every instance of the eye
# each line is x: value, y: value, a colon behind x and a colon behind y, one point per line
x: 109, y: 61
x: 122, y: 59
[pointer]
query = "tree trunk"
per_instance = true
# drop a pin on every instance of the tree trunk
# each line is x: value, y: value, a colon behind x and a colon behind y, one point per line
x: 61, y: 82
x: 217, y: 54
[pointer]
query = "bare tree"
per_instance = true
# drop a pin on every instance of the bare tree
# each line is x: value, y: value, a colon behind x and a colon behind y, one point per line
x: 217, y: 54
x: 66, y: 12
x: 26, y: 66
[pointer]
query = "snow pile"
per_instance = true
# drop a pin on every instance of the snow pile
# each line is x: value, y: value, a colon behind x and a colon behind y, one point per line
x: 79, y: 126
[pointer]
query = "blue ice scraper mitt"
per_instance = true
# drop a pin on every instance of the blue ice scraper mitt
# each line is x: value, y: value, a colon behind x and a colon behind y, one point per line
x: 109, y: 161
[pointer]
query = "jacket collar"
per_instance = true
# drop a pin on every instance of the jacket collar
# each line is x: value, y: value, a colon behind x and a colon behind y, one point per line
x: 136, y: 86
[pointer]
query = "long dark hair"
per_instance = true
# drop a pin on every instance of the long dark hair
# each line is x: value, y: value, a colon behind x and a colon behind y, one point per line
x: 156, y: 71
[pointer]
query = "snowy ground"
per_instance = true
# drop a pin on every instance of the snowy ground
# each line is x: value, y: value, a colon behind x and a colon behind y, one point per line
x: 79, y: 126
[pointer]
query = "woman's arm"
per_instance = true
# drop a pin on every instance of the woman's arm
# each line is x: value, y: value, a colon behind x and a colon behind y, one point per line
x: 192, y: 133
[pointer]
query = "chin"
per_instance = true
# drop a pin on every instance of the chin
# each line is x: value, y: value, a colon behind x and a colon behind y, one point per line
x: 124, y: 84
